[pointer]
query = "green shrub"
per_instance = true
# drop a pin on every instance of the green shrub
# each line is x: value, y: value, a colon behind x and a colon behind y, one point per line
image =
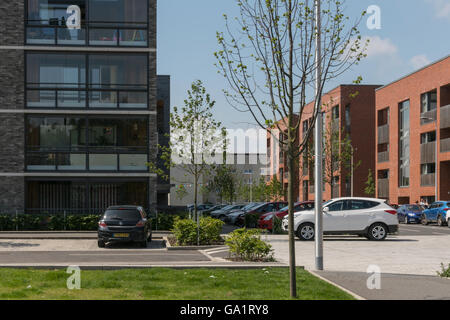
x: 277, y: 225
x: 251, y: 220
x: 45, y: 222
x: 445, y: 271
x: 164, y: 221
x: 246, y: 245
x: 185, y: 231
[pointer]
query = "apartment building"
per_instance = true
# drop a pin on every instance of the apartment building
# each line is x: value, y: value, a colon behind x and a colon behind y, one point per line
x: 349, y: 115
x: 80, y: 108
x: 413, y: 136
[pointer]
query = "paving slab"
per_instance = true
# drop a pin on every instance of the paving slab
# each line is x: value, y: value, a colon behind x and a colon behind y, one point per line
x: 392, y: 286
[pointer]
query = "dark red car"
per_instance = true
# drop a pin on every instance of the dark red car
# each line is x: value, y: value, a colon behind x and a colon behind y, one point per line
x: 268, y: 207
x: 265, y: 221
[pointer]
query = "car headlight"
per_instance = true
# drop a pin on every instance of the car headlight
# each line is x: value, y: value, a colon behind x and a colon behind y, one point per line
x: 411, y: 214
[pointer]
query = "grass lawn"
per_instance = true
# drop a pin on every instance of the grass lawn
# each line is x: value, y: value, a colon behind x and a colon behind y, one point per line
x: 165, y: 284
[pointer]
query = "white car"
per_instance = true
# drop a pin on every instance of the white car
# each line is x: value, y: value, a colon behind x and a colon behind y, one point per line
x: 371, y: 218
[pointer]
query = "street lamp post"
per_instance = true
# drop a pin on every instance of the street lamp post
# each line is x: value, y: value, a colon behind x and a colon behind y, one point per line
x: 436, y: 158
x: 318, y: 147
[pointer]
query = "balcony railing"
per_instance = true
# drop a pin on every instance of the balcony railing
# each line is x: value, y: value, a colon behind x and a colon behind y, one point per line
x: 383, y: 188
x: 428, y: 179
x: 383, y: 134
x: 445, y: 145
x: 428, y: 152
x: 445, y: 117
x: 335, y: 193
x: 428, y: 116
x: 383, y: 156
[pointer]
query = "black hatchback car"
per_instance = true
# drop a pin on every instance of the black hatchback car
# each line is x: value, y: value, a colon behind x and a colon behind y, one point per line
x: 124, y: 224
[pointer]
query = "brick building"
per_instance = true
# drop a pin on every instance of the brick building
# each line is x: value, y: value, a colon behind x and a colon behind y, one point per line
x: 349, y: 111
x: 80, y: 111
x: 413, y: 136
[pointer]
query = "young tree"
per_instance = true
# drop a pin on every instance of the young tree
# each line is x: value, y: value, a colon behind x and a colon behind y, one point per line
x: 196, y: 137
x: 224, y: 182
x: 370, y: 185
x: 269, y: 62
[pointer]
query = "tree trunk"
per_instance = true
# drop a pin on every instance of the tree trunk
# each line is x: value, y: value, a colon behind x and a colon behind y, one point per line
x: 195, y: 204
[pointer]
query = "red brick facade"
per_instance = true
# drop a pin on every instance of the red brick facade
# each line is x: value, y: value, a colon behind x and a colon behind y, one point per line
x: 428, y: 93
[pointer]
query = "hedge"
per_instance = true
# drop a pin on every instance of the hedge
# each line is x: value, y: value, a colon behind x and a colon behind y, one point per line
x: 47, y: 222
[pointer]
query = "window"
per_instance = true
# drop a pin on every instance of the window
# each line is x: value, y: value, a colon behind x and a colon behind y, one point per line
x: 428, y: 168
x: 428, y: 137
x: 66, y: 144
x: 337, y: 206
x: 61, y: 81
x: 103, y: 23
x: 362, y: 204
x: 429, y: 101
x: 348, y: 119
x: 335, y: 112
x: 404, y: 140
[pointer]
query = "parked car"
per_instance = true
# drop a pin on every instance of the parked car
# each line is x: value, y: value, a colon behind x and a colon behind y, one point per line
x: 437, y: 212
x: 124, y: 224
x: 266, y: 220
x: 409, y: 213
x: 258, y: 212
x: 232, y: 216
x: 200, y: 207
x: 372, y: 218
x: 214, y: 208
x: 222, y: 213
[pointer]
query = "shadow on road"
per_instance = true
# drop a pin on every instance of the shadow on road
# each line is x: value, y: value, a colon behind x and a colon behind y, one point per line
x: 154, y: 244
x: 9, y: 244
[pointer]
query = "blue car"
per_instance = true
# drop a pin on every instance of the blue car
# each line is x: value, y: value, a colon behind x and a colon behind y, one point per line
x: 410, y: 213
x: 437, y: 212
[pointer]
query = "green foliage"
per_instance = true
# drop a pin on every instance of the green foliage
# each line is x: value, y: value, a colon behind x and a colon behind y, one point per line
x: 224, y: 183
x: 246, y: 245
x: 185, y: 231
x: 47, y: 222
x: 445, y: 271
x: 277, y: 225
x: 251, y: 220
x: 370, y: 185
x: 164, y: 221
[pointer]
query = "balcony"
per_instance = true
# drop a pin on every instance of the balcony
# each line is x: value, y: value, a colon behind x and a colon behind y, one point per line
x: 383, y: 188
x: 445, y: 145
x: 428, y: 152
x: 335, y: 191
x: 383, y: 134
x: 429, y: 116
x: 445, y: 117
x: 427, y: 179
x: 383, y: 156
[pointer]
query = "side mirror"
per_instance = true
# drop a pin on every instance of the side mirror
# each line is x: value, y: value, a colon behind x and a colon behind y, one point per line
x: 326, y: 209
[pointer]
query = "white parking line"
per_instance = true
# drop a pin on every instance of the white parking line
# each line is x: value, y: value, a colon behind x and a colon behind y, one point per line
x: 218, y: 251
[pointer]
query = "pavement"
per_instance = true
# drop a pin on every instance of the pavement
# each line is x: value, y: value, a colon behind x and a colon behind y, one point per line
x: 417, y: 250
x: 392, y: 286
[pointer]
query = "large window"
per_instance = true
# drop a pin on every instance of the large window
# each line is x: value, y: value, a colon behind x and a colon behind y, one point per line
x: 80, y: 144
x: 63, y: 81
x: 78, y: 197
x: 404, y: 141
x: 103, y: 23
x: 429, y: 101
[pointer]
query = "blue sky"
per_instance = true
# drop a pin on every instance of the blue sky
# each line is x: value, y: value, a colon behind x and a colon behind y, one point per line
x: 413, y: 33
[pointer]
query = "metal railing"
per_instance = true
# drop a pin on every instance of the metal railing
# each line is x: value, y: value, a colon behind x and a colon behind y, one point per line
x: 427, y: 179
x: 445, y: 145
x: 383, y: 156
x: 383, y: 188
x: 383, y: 134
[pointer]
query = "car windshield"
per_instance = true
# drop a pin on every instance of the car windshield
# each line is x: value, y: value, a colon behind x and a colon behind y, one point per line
x: 250, y: 205
x: 412, y: 207
x: 227, y: 207
x: 287, y: 207
x: 122, y: 214
x: 327, y: 202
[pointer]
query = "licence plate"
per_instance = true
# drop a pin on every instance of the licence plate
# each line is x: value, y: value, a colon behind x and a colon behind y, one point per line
x: 121, y: 235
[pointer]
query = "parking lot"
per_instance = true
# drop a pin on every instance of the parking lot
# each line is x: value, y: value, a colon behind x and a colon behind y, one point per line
x: 415, y: 250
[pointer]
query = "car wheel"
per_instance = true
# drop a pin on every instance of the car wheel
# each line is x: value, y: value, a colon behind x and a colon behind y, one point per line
x: 306, y: 232
x: 377, y: 232
x: 406, y: 221
x: 424, y: 220
x: 439, y: 221
x: 101, y: 243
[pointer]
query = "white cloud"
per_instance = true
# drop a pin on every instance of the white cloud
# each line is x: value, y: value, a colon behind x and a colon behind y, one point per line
x: 378, y: 46
x: 419, y: 61
x: 442, y: 8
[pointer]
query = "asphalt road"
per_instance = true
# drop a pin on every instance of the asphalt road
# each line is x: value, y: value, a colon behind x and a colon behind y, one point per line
x: 392, y: 286
x: 421, y: 230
